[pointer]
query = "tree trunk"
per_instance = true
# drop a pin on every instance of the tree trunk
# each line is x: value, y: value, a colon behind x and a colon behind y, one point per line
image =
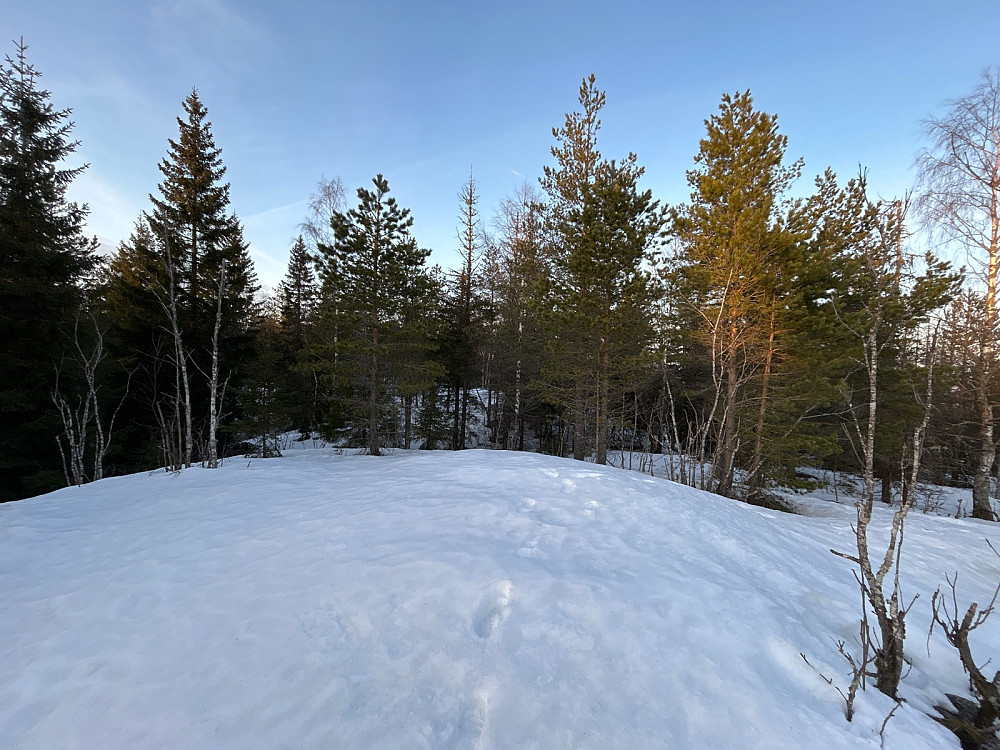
x: 579, y: 425
x: 603, y: 397
x: 883, y: 473
x: 373, y: 441
x: 407, y: 421
x: 213, y: 412
x: 981, y: 506
x: 757, y: 473
x: 456, y: 415
x: 725, y: 461
x: 463, y: 431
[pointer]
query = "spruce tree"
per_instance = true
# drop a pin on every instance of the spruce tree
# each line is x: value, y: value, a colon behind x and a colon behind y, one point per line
x: 297, y: 293
x: 458, y: 350
x: 296, y: 299
x: 265, y: 400
x: 191, y: 212
x: 43, y: 257
x: 166, y: 277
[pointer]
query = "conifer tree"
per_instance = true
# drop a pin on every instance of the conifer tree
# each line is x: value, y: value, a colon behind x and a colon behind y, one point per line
x: 43, y: 256
x: 735, y: 252
x: 139, y: 340
x: 297, y: 293
x: 383, y: 288
x: 167, y: 276
x: 265, y: 400
x: 885, y: 295
x: 513, y: 273
x: 296, y: 308
x: 603, y: 229
x: 191, y: 211
x: 459, y: 340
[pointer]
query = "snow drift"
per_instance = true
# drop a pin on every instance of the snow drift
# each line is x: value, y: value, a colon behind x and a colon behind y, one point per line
x: 451, y: 600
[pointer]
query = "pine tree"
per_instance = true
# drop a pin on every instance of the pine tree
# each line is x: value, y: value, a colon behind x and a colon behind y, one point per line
x: 382, y: 291
x: 886, y: 294
x: 603, y: 229
x: 43, y: 257
x: 734, y: 255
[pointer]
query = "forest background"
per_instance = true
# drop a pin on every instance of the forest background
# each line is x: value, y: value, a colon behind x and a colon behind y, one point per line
x: 752, y: 329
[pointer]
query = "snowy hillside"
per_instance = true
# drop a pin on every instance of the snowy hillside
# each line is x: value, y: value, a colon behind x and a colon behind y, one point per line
x: 439, y: 600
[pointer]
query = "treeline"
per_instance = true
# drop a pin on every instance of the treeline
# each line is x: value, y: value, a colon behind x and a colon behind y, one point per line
x: 746, y: 333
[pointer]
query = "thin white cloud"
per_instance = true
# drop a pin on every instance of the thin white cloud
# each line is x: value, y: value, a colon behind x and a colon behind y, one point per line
x: 257, y: 253
x: 188, y: 31
x: 270, y: 212
x: 214, y: 14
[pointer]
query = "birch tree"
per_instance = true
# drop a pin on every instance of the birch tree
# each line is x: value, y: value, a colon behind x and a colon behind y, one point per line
x: 959, y: 179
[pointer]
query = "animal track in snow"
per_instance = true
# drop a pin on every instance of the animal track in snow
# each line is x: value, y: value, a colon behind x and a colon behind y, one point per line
x: 492, y: 608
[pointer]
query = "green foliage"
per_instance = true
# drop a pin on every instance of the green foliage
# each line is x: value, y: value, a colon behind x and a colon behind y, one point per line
x: 599, y: 292
x: 44, y: 257
x: 265, y: 402
x: 740, y: 300
x: 190, y: 229
x: 296, y: 300
x: 885, y: 296
x: 376, y: 300
x: 751, y: 350
x: 191, y: 211
x: 297, y: 294
x: 433, y: 424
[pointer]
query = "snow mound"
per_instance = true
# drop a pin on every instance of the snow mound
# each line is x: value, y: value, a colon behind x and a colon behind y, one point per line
x: 449, y: 600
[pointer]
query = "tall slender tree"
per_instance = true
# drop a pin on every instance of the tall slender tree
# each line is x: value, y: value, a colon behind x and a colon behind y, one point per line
x: 174, y: 263
x: 513, y: 271
x: 732, y: 255
x: 296, y: 303
x: 959, y: 176
x: 297, y: 293
x: 603, y: 229
x: 460, y: 339
x: 191, y: 211
x: 43, y: 256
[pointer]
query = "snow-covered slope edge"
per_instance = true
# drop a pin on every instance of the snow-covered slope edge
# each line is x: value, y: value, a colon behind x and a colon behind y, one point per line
x: 438, y: 600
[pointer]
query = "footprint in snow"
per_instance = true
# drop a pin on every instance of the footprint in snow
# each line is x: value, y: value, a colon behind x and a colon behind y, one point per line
x: 492, y: 608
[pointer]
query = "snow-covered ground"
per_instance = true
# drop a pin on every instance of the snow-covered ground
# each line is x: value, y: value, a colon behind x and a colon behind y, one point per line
x: 452, y: 600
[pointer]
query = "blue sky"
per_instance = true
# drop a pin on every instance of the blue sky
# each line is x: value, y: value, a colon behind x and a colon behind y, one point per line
x: 424, y: 91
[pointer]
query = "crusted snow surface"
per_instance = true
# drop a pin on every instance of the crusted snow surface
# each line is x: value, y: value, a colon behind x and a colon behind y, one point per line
x: 451, y: 600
